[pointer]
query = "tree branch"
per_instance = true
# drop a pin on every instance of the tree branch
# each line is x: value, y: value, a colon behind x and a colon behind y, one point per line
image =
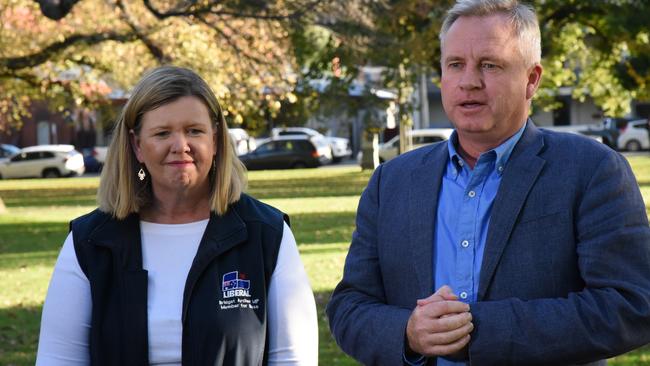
x: 210, y: 9
x: 155, y: 51
x: 35, y: 59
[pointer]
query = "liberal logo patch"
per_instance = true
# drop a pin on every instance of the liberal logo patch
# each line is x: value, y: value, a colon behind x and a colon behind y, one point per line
x: 235, y: 284
x: 236, y: 292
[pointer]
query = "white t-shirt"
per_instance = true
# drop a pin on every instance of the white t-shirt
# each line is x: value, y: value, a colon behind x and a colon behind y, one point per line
x: 168, y: 252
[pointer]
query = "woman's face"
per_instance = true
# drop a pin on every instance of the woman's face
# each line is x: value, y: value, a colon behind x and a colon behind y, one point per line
x: 176, y: 144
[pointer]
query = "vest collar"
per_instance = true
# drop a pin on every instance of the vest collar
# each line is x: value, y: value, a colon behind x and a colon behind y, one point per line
x: 124, y: 237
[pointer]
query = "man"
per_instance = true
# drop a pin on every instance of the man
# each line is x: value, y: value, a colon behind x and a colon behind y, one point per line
x: 537, y: 242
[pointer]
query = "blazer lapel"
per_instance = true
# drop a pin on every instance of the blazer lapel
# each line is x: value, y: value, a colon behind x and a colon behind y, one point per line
x: 423, y: 201
x: 518, y: 178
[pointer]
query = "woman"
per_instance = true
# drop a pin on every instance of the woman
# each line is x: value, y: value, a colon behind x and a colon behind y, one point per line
x: 177, y: 265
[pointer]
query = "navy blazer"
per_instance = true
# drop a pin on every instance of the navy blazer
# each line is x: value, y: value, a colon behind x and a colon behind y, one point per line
x: 565, y: 276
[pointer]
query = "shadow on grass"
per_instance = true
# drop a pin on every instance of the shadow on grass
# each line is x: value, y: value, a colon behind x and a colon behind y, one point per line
x: 31, y: 237
x: 49, y: 197
x: 19, y: 327
x: 309, y: 187
x: 323, y: 228
x: 309, y: 228
x: 341, y: 185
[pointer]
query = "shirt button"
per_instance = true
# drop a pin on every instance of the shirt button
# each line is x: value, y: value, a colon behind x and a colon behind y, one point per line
x: 463, y: 295
x: 500, y: 168
x: 471, y: 193
x: 460, y: 162
x: 465, y: 243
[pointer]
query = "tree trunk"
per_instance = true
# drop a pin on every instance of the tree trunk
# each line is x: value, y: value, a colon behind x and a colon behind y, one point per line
x: 3, y: 209
x: 369, y: 148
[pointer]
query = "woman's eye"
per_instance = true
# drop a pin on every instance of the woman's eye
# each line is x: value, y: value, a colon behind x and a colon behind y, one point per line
x: 195, y: 131
x: 161, y: 133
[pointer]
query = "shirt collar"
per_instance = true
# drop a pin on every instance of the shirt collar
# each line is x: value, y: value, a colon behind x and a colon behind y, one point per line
x: 502, y: 151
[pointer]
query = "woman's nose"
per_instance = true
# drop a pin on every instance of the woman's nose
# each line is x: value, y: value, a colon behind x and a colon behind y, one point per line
x: 180, y: 144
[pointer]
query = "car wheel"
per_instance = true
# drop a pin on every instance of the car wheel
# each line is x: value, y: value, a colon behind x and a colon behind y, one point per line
x: 299, y: 165
x: 633, y: 145
x: 51, y: 173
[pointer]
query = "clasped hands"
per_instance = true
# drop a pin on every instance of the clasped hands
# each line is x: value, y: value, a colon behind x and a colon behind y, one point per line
x: 440, y: 325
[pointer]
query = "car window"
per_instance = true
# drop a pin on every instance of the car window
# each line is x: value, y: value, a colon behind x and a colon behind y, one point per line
x: 19, y: 157
x: 287, y: 145
x: 266, y: 148
x: 46, y: 155
x: 290, y: 133
x: 34, y: 155
x: 304, y: 146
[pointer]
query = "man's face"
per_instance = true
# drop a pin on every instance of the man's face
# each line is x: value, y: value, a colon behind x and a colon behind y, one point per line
x: 486, y: 83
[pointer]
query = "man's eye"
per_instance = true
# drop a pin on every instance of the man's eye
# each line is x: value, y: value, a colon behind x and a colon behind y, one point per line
x: 488, y: 66
x: 455, y: 65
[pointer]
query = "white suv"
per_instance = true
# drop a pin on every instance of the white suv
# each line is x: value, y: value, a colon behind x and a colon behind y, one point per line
x: 635, y: 136
x: 47, y: 161
x: 420, y: 137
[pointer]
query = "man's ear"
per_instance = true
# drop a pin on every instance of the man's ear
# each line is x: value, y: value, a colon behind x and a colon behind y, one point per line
x: 135, y: 145
x: 534, y: 78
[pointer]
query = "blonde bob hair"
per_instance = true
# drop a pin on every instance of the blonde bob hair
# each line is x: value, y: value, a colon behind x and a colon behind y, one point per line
x: 121, y: 193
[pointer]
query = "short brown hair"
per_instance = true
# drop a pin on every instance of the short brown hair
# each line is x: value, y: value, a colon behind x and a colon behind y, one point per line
x: 120, y: 193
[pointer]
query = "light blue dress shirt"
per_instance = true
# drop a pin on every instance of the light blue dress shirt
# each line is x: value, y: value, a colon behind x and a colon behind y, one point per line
x: 464, y: 208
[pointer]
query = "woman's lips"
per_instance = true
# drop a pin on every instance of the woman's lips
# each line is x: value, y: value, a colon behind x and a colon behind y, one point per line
x: 180, y: 163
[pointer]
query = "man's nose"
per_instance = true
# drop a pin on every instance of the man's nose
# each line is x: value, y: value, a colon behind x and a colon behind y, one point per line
x: 470, y: 79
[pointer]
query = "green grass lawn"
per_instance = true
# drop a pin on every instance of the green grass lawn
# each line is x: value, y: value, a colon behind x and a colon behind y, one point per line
x: 321, y: 203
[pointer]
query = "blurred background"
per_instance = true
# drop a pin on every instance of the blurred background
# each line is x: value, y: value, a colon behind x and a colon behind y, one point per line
x: 304, y: 83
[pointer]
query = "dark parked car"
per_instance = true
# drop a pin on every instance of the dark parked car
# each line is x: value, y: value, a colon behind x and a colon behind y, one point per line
x: 288, y: 152
x: 90, y: 161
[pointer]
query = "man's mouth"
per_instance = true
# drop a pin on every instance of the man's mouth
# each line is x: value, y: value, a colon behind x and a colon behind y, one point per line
x: 471, y: 104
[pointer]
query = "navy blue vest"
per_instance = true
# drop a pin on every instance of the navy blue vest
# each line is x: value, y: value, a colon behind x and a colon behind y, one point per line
x: 225, y: 298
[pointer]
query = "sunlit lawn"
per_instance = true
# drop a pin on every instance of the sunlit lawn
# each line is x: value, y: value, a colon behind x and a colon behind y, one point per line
x: 321, y: 203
